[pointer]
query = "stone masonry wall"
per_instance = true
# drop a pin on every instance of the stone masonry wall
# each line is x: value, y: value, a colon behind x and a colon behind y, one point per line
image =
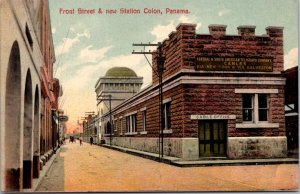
x: 257, y: 147
x: 203, y: 99
x: 185, y: 148
x: 221, y: 99
x: 152, y: 119
x: 196, y: 96
x: 184, y: 45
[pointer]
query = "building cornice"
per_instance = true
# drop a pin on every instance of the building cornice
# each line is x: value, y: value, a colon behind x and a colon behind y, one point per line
x: 112, y: 80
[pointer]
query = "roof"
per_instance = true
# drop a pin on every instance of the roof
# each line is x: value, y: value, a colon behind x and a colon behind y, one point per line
x: 120, y: 72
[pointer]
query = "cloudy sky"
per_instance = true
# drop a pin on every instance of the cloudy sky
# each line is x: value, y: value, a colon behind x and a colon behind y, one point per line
x: 86, y: 46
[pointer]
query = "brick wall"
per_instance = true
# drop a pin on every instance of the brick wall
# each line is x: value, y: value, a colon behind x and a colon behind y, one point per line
x: 222, y: 100
x: 211, y: 92
x: 152, y: 116
x: 184, y: 45
x: 181, y: 49
x: 192, y: 99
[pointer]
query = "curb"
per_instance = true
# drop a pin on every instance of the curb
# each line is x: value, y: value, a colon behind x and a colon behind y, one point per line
x: 202, y: 163
x: 236, y: 162
x: 150, y: 156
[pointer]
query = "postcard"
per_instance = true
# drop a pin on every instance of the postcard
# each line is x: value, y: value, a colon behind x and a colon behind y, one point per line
x: 149, y: 96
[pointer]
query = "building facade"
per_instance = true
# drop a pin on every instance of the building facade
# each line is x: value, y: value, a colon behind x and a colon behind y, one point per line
x: 118, y: 84
x: 26, y: 58
x: 223, y: 96
x: 90, y: 128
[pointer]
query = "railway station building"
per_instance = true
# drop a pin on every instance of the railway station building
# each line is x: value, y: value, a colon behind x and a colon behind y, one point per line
x: 117, y: 85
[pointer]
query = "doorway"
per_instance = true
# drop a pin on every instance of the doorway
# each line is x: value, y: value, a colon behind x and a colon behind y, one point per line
x: 212, y: 138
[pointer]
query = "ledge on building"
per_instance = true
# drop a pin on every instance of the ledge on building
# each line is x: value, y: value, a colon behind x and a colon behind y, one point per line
x: 257, y: 125
x: 167, y: 131
x: 143, y: 132
x: 108, y: 134
x: 131, y: 133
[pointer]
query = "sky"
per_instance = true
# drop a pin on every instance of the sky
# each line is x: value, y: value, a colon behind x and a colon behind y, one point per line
x: 87, y: 45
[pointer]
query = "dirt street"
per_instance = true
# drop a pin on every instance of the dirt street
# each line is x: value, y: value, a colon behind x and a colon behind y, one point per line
x: 93, y: 168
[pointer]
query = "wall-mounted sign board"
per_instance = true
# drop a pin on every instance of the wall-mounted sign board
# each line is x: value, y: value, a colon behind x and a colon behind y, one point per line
x: 234, y: 64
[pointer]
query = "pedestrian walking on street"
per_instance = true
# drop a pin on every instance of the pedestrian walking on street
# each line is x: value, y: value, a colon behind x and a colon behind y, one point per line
x: 91, y: 140
x: 80, y: 140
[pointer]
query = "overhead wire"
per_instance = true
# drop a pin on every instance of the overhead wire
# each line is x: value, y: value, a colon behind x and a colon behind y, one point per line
x: 61, y: 53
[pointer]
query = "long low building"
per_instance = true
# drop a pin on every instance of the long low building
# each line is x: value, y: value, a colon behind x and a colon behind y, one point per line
x: 223, y: 96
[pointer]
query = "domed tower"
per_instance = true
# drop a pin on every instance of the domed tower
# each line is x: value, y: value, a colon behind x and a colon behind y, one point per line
x: 119, y: 82
x: 121, y: 72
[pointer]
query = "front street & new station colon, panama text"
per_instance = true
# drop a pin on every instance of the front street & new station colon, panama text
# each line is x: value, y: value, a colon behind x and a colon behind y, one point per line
x: 154, y: 11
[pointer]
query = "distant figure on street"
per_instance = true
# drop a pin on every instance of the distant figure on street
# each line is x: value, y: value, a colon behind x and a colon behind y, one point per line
x: 91, y: 140
x: 80, y: 140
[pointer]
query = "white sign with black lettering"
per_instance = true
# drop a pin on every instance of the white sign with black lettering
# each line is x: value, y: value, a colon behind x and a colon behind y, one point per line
x: 212, y: 117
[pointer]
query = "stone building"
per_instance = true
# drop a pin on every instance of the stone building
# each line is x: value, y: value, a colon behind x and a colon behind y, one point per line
x: 223, y: 96
x: 118, y: 84
x: 28, y: 94
x: 89, y: 126
x: 292, y: 110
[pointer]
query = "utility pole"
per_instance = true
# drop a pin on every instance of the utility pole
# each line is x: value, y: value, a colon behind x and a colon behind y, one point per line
x: 80, y: 124
x: 110, y: 138
x: 160, y: 60
x: 84, y: 123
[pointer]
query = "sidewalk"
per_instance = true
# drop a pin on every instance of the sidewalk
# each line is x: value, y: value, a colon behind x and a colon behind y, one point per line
x: 205, y: 162
x: 46, y: 167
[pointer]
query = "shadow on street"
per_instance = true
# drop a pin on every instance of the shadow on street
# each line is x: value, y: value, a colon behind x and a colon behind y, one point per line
x: 54, y: 179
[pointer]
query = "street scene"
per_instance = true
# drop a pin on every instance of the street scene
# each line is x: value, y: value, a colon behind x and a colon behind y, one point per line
x: 94, y: 168
x: 131, y: 96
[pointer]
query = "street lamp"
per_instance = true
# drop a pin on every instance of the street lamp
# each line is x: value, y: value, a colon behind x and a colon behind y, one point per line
x: 160, y: 61
x: 83, y: 119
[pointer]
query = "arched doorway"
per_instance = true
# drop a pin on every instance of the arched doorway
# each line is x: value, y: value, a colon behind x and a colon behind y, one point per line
x: 12, y: 133
x: 28, y: 133
x: 36, y: 135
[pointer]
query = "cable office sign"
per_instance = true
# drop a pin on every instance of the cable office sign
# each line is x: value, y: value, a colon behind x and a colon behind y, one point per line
x: 234, y: 64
